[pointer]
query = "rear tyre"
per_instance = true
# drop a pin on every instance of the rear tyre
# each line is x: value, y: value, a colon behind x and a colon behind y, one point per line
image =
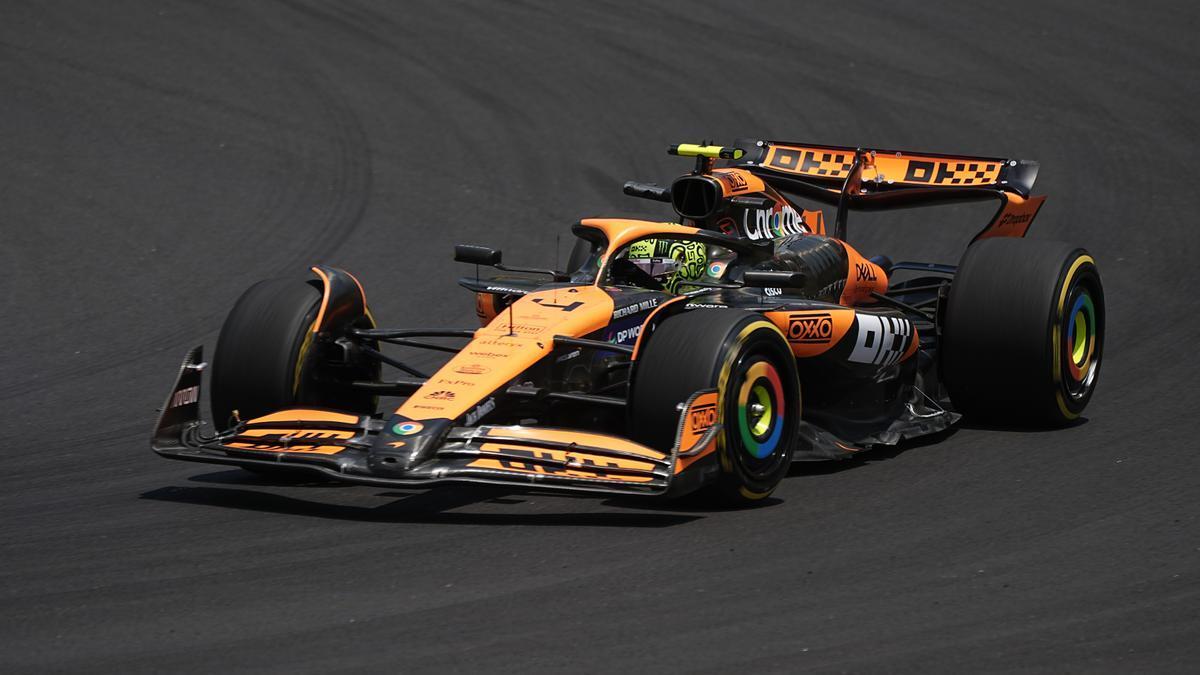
x: 1024, y: 332
x: 268, y: 358
x: 747, y: 359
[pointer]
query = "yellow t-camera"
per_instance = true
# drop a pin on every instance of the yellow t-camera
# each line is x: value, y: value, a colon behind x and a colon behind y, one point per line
x: 711, y: 151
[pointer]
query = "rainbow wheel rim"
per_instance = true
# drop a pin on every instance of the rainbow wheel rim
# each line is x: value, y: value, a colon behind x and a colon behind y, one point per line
x: 1079, y: 346
x: 760, y: 410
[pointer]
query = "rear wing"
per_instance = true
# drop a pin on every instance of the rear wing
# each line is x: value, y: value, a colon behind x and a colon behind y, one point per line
x: 826, y: 166
x: 870, y: 180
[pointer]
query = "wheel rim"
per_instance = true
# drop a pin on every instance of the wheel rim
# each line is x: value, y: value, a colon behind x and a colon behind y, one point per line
x: 760, y: 410
x: 1081, y: 354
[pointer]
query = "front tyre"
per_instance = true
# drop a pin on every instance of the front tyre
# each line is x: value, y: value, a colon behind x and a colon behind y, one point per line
x: 747, y: 359
x: 1024, y: 332
x: 269, y: 358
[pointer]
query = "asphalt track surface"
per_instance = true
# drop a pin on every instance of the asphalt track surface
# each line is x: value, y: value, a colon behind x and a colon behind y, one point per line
x: 158, y: 157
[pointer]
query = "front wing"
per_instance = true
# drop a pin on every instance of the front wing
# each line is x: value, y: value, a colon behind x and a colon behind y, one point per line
x: 372, y: 451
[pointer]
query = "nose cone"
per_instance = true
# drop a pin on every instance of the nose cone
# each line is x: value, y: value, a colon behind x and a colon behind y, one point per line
x: 405, y: 444
x: 515, y: 340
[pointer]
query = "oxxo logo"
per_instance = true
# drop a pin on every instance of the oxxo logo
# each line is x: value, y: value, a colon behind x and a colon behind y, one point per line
x: 810, y: 328
x: 702, y: 418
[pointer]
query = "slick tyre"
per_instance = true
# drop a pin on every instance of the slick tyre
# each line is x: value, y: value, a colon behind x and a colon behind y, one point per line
x: 268, y: 357
x: 748, y: 360
x: 1024, y: 332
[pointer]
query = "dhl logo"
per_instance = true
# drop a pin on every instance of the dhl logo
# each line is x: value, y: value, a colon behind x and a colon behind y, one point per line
x: 585, y: 463
x: 286, y: 435
x: 314, y: 433
x: 831, y: 163
x: 257, y: 439
x: 951, y: 172
x: 819, y: 163
x: 549, y: 463
x: 305, y: 448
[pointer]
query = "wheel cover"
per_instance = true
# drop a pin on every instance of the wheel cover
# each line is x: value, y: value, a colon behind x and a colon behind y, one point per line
x: 1080, y: 355
x: 760, y: 409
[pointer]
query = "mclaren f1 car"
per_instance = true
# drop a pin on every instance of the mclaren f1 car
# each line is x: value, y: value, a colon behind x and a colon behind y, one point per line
x: 705, y: 354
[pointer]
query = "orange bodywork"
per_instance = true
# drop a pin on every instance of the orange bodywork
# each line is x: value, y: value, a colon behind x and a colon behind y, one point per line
x: 815, y: 220
x: 276, y: 435
x: 817, y: 162
x: 305, y: 415
x: 337, y: 434
x: 487, y: 307
x: 621, y: 231
x: 580, y: 437
x: 736, y: 182
x: 313, y: 436
x: 863, y: 278
x: 326, y: 286
x: 813, y: 332
x: 517, y: 337
x: 698, y: 419
x: 576, y: 463
x: 912, y: 348
x: 324, y: 298
x: 1014, y: 217
x: 514, y: 340
x: 301, y: 448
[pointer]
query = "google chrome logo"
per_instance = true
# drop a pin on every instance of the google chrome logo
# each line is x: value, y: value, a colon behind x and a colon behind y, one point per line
x: 407, y: 428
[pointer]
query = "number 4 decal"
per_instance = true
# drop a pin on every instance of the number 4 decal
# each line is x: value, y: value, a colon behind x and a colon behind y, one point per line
x: 566, y: 308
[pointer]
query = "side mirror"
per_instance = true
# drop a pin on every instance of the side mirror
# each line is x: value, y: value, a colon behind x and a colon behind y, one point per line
x: 757, y: 279
x: 477, y: 255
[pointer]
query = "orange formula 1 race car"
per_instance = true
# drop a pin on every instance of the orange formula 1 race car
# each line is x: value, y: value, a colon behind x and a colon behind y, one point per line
x: 706, y: 354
